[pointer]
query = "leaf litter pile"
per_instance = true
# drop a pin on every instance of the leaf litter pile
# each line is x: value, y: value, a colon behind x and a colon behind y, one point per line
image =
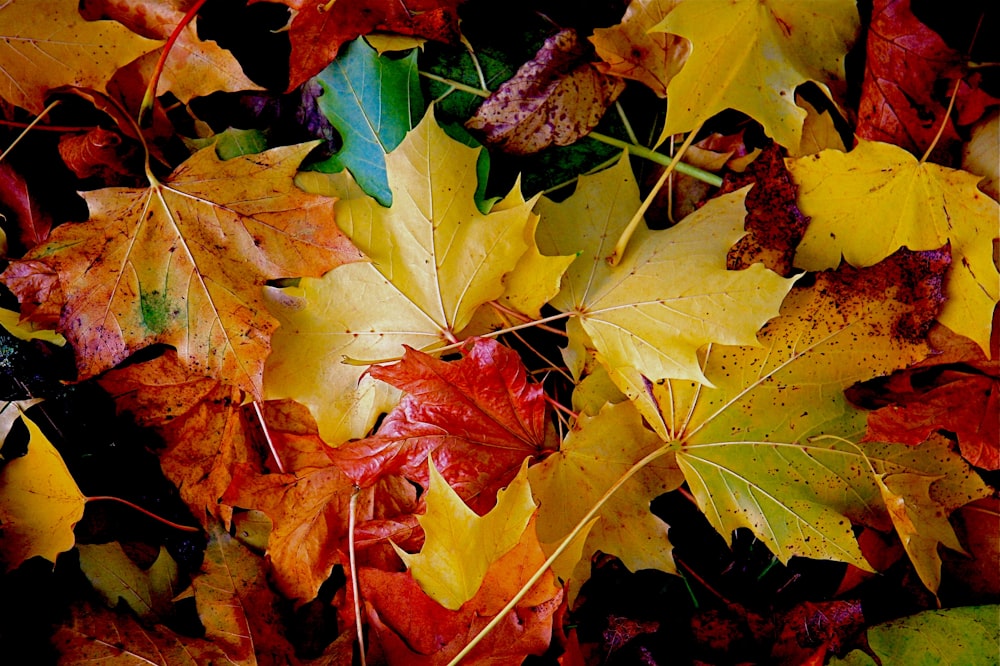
x: 363, y: 332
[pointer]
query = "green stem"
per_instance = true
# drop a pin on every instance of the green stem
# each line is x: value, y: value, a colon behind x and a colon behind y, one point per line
x: 456, y: 85
x: 659, y: 158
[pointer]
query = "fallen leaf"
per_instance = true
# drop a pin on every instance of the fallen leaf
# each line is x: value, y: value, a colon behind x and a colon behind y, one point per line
x: 594, y: 455
x: 555, y: 98
x: 372, y: 102
x: 182, y: 263
x: 979, y: 154
x: 102, y: 154
x: 40, y: 503
x: 23, y: 209
x: 26, y: 330
x: 413, y: 629
x: 920, y: 205
x: 460, y: 546
x: 671, y: 293
x: 149, y: 593
x: 750, y: 56
x: 309, y: 507
x: 318, y: 31
x: 631, y: 51
x: 903, y: 65
x: 978, y: 527
x: 199, y: 419
x: 435, y: 259
x: 477, y: 418
x: 45, y: 44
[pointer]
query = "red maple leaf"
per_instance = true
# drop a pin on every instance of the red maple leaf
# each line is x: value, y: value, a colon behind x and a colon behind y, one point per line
x: 479, y: 417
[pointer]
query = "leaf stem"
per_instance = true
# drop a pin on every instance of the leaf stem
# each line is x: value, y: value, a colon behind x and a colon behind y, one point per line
x: 944, y: 121
x: 353, y: 508
x: 563, y: 545
x: 456, y: 85
x: 28, y: 127
x: 154, y: 80
x: 267, y: 436
x: 168, y: 523
x: 659, y: 158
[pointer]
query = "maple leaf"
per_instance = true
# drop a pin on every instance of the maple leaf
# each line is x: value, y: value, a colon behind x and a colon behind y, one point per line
x: 631, y: 51
x: 149, y: 593
x: 372, y: 102
x: 182, y: 263
x: 595, y: 454
x: 199, y: 419
x: 434, y: 260
x: 905, y: 60
x: 555, y: 98
x: 45, y: 44
x: 750, y: 55
x: 22, y: 208
x: 920, y: 205
x: 671, y: 293
x: 40, y: 503
x: 235, y: 605
x: 766, y: 448
x: 317, y: 36
x: 95, y: 635
x: 309, y: 507
x: 446, y: 568
x: 478, y: 417
x: 414, y: 629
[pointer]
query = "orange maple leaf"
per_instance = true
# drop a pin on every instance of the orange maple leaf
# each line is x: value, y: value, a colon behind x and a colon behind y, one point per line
x: 182, y: 263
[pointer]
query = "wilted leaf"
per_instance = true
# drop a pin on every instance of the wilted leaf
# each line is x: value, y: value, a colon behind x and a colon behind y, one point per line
x: 372, y: 102
x: 434, y: 260
x: 149, y: 593
x: 477, y: 418
x: 921, y: 206
x: 23, y: 209
x: 40, y: 503
x: 45, y: 44
x: 99, y: 153
x: 750, y: 56
x: 182, y: 263
x: 556, y: 98
x: 671, y: 293
x: 631, y: 51
x: 200, y: 422
x: 595, y: 454
x: 413, y: 629
x: 460, y: 546
x: 950, y: 637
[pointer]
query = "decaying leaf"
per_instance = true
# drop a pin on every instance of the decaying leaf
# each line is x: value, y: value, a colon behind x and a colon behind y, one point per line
x: 434, y: 260
x: 631, y: 51
x: 182, y: 263
x: 750, y: 55
x: 918, y: 205
x: 45, y: 44
x: 556, y: 98
x: 148, y: 593
x: 40, y: 503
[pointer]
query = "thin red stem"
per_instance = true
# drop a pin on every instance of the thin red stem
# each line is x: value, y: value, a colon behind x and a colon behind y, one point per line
x: 168, y: 523
x: 147, y: 100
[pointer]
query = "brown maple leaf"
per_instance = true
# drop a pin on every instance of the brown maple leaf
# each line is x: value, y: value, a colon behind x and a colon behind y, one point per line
x: 182, y: 263
x: 318, y: 29
x: 555, y: 98
x: 478, y: 417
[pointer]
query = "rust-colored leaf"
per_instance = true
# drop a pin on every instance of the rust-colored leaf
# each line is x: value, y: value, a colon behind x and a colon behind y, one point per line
x: 556, y: 98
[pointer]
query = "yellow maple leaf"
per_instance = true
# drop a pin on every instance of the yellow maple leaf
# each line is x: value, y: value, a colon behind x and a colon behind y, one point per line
x: 750, y: 55
x: 46, y: 44
x: 40, y: 503
x: 631, y: 51
x: 671, y: 293
x: 920, y: 521
x: 434, y: 260
x: 595, y: 454
x: 460, y: 546
x: 870, y: 202
x: 182, y: 263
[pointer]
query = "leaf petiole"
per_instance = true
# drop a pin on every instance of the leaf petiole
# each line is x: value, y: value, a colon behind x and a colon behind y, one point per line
x: 168, y: 523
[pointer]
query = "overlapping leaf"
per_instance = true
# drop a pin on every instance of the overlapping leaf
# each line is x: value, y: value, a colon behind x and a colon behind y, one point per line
x: 919, y: 205
x: 434, y: 260
x: 148, y: 593
x: 750, y: 55
x: 46, y: 44
x: 182, y: 263
x: 671, y: 293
